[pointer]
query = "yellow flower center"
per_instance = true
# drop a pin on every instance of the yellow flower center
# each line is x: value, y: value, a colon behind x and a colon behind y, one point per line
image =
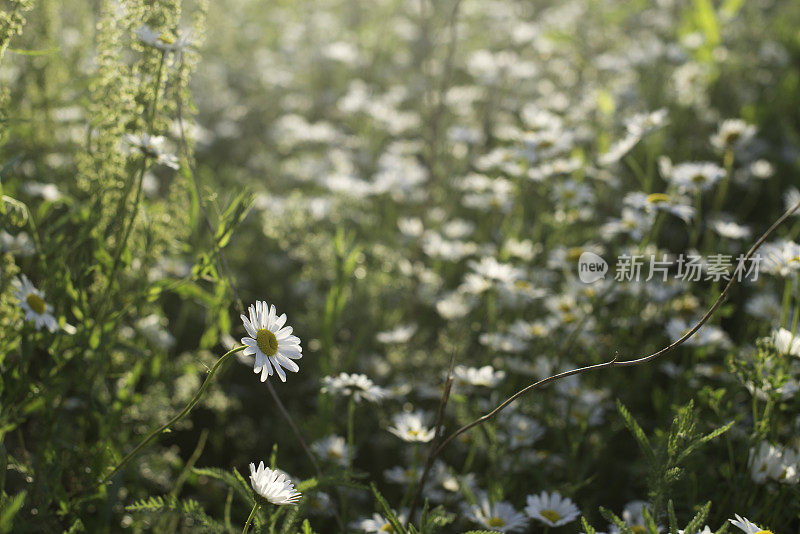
x: 574, y: 254
x: 495, y: 522
x: 166, y: 38
x: 657, y: 198
x: 537, y: 330
x: 550, y: 515
x: 267, y: 342
x: 36, y: 303
x: 414, y: 433
x: 386, y: 528
x: 637, y: 529
x: 699, y: 178
x: 764, y: 532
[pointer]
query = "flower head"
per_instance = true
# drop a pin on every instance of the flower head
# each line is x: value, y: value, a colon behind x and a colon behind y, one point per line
x: 273, y: 485
x: 409, y: 427
x: 32, y: 302
x: 162, y: 40
x: 745, y: 525
x: 152, y: 146
x: 551, y: 509
x: 353, y: 385
x: 501, y: 516
x: 271, y: 341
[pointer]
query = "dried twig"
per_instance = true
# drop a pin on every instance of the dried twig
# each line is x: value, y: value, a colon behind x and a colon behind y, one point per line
x: 615, y: 362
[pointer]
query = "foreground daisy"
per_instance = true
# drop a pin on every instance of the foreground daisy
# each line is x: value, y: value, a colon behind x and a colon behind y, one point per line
x: 271, y: 341
x: 272, y: 485
x: 499, y: 516
x: 552, y: 509
x: 32, y: 302
x: 746, y: 526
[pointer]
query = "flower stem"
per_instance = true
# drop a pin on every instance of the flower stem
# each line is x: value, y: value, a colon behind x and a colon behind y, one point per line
x: 183, y: 413
x: 250, y: 518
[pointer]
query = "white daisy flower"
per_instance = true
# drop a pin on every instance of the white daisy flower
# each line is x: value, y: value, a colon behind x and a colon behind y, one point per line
x: 161, y: 40
x: 358, y: 386
x: 551, y: 509
x: 377, y: 523
x: 695, y: 176
x: 271, y: 341
x: 333, y: 449
x: 745, y: 525
x: 153, y: 146
x: 474, y: 376
x: 786, y: 342
x: 32, y: 302
x: 273, y: 485
x: 733, y: 133
x: 409, y: 427
x: 500, y: 516
x: 399, y: 335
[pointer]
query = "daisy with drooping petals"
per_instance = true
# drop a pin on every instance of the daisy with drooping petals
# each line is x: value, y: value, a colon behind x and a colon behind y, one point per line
x: 32, y: 302
x: 552, y: 509
x: 270, y: 341
x: 273, y: 485
x: 745, y: 525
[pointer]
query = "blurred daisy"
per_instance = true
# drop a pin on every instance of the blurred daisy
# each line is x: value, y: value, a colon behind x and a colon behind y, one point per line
x: 409, y: 427
x: 162, y: 40
x: 32, y: 302
x: 733, y: 133
x: 333, y: 449
x: 474, y: 376
x: 377, y: 524
x: 744, y: 524
x: 358, y: 386
x: 694, y: 176
x: 401, y: 334
x: 272, y: 485
x: 152, y: 146
x: 272, y: 343
x: 500, y: 516
x: 551, y: 509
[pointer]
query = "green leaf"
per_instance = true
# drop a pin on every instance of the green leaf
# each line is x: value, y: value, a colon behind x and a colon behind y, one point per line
x: 638, y: 433
x: 388, y: 513
x: 9, y: 506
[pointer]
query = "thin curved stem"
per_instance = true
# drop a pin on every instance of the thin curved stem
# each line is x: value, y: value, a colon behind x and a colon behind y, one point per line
x: 250, y: 518
x: 626, y: 363
x: 183, y: 413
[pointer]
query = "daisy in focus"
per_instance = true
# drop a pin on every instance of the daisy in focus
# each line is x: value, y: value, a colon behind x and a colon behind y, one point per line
x: 271, y: 341
x: 745, y: 525
x: 273, y: 485
x: 552, y: 509
x: 32, y: 302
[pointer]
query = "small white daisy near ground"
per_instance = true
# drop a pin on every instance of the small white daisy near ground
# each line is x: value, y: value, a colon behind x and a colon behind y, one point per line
x: 551, y: 509
x: 271, y: 341
x: 273, y: 485
x: 500, y: 516
x: 32, y: 302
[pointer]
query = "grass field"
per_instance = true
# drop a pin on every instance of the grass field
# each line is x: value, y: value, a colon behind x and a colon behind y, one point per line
x: 400, y: 266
